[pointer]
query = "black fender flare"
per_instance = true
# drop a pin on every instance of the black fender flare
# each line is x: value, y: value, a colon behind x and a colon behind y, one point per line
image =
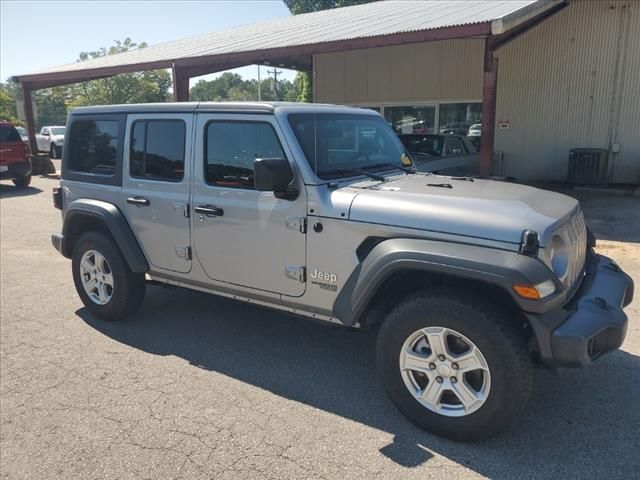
x: 501, y: 268
x: 115, y: 222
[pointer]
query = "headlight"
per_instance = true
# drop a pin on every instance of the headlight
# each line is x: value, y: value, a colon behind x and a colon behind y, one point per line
x: 559, y: 256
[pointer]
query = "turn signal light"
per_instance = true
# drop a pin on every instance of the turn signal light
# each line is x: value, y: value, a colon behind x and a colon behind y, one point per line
x: 527, y: 291
x: 535, y: 292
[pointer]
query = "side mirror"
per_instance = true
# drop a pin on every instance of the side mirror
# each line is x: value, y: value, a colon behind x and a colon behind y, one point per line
x: 45, y: 134
x: 274, y: 175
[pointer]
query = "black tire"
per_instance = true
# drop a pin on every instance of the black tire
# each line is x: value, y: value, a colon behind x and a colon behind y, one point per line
x: 22, y: 182
x: 128, y: 287
x: 58, y: 152
x: 52, y: 151
x: 491, y: 330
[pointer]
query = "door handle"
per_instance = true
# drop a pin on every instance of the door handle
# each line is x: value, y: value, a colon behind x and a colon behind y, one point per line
x: 138, y: 201
x: 209, y: 211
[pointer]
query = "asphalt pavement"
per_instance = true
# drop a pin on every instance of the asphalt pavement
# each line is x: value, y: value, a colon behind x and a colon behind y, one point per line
x: 197, y: 386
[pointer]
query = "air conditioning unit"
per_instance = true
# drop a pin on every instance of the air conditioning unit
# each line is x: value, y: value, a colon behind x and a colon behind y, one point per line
x: 588, y: 166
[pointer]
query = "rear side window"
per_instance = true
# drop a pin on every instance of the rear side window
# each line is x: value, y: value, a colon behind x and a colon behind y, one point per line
x: 157, y: 150
x: 93, y: 146
x: 231, y: 149
x: 8, y: 133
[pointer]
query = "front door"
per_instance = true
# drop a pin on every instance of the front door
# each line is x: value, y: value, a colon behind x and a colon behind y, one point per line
x: 242, y: 236
x: 156, y: 181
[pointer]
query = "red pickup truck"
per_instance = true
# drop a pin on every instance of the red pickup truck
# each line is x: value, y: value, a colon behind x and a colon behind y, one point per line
x: 15, y: 162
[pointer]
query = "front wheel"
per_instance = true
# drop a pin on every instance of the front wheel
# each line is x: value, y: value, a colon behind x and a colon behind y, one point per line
x: 22, y: 182
x: 454, y: 365
x: 103, y: 279
x: 52, y: 151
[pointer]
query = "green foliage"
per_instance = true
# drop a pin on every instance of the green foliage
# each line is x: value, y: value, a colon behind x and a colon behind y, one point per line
x: 141, y: 87
x: 231, y: 87
x: 302, y: 85
x: 305, y: 6
x: 8, y: 109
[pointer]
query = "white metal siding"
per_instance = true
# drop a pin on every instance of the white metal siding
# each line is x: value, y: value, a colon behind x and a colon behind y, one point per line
x: 565, y: 84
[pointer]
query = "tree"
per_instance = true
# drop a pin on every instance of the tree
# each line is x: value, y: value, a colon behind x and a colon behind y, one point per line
x: 231, y: 87
x: 8, y: 108
x: 305, y: 6
x: 303, y: 81
x: 141, y: 87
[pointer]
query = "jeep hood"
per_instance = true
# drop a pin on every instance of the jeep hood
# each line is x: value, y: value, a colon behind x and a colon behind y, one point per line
x: 480, y: 208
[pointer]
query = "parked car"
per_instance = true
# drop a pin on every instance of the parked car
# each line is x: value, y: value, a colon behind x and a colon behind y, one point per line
x: 51, y: 139
x: 317, y: 211
x: 23, y: 134
x: 475, y: 130
x: 15, y: 162
x: 454, y: 129
x: 444, y: 154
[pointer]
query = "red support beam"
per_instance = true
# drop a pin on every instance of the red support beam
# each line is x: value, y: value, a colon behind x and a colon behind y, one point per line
x: 29, y: 117
x: 489, y: 95
x: 180, y: 85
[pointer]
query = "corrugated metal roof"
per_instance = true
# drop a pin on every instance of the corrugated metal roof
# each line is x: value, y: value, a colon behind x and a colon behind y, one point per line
x: 340, y: 24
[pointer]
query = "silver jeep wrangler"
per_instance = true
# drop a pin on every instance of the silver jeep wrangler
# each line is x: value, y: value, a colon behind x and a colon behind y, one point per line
x: 317, y: 210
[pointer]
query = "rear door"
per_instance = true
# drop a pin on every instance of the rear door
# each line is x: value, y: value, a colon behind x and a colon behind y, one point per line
x: 252, y: 239
x: 155, y: 183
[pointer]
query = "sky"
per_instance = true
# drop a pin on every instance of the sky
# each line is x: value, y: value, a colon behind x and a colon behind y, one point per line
x: 35, y: 35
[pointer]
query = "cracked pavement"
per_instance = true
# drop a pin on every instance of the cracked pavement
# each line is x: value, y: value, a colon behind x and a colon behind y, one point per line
x: 197, y: 386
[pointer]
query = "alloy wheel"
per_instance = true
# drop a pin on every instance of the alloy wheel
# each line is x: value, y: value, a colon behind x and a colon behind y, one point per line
x: 445, y: 371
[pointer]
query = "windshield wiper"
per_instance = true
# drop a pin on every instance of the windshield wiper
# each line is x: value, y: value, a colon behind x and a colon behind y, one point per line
x: 349, y: 171
x: 390, y: 165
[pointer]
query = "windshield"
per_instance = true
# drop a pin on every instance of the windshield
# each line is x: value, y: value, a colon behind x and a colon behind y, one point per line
x: 21, y: 131
x: 57, y: 130
x: 337, y: 144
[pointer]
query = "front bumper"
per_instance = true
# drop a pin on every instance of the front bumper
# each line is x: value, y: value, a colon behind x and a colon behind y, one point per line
x: 592, y: 323
x: 17, y: 170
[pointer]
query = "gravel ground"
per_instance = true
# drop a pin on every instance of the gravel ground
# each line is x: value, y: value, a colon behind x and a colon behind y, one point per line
x: 201, y: 387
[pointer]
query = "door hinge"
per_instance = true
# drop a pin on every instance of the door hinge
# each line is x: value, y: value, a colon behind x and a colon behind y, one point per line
x: 296, y: 272
x: 296, y: 223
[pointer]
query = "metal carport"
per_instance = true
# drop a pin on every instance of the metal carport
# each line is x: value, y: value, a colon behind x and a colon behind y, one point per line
x: 293, y: 41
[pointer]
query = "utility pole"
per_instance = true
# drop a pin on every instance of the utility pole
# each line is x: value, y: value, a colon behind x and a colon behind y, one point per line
x: 259, y: 96
x: 275, y: 82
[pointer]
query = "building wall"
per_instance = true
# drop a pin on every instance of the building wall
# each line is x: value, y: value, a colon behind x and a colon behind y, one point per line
x: 573, y: 81
x: 434, y: 71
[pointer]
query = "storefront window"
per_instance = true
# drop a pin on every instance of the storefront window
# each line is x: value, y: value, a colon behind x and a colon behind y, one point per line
x: 405, y: 120
x: 457, y: 118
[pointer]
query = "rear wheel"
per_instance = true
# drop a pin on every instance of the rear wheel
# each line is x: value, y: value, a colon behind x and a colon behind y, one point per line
x: 103, y: 279
x: 22, y: 182
x: 454, y: 365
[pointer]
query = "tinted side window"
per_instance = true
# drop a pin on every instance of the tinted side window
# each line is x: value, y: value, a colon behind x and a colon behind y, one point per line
x: 9, y: 134
x: 231, y: 149
x: 157, y: 150
x: 93, y: 146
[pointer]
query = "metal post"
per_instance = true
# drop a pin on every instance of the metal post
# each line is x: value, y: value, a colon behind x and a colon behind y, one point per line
x: 28, y: 114
x: 489, y: 95
x: 180, y: 85
x: 259, y: 95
